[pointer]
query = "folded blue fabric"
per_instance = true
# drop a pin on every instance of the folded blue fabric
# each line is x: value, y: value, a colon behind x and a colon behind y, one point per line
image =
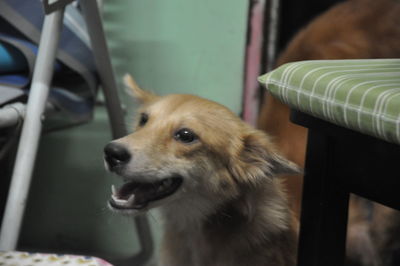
x: 11, y: 59
x: 74, y: 83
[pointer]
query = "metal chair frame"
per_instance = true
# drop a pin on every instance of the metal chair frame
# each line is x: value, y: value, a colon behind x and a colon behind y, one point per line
x: 32, y: 126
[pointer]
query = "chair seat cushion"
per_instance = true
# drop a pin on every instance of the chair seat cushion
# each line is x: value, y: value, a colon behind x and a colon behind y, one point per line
x: 363, y: 95
x: 16, y: 258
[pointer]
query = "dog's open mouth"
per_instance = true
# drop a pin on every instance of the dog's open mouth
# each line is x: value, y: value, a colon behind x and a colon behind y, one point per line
x: 136, y: 195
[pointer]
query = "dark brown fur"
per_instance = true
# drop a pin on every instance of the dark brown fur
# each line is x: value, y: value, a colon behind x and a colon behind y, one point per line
x: 350, y: 30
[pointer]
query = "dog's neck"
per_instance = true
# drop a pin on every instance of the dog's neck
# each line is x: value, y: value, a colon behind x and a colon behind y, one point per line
x: 189, y: 214
x: 250, y: 229
x: 256, y: 212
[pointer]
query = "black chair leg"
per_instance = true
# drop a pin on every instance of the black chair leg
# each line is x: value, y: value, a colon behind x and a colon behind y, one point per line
x: 323, y: 225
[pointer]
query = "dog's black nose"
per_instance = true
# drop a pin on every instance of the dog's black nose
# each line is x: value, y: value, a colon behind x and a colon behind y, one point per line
x: 115, y: 154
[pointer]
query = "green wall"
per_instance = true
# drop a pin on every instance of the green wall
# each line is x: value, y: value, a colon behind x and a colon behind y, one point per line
x: 181, y: 46
x: 174, y: 46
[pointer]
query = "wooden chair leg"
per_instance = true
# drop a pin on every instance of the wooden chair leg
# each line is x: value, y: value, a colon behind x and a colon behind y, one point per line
x: 324, y: 214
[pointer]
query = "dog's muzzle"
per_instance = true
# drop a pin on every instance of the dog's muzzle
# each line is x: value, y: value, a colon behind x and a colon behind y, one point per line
x: 116, y: 155
x: 135, y: 194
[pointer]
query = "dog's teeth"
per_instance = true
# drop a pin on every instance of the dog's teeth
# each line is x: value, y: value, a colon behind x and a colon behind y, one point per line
x: 131, y: 200
x: 118, y: 201
x: 113, y: 190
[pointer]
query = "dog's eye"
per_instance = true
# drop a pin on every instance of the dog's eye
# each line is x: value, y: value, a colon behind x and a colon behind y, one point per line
x: 185, y: 135
x: 143, y: 119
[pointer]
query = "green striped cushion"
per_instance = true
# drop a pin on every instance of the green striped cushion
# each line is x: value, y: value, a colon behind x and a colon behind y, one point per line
x: 363, y: 95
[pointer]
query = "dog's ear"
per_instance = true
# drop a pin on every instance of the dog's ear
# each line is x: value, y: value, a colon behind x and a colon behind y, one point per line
x: 134, y: 90
x: 258, y: 160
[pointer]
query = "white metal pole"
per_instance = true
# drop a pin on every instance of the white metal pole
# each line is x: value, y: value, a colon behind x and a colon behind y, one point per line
x: 104, y: 68
x: 31, y: 131
x: 115, y: 113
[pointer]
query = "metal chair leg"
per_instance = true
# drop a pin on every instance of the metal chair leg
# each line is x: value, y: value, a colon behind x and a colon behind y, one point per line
x: 115, y: 113
x: 31, y: 130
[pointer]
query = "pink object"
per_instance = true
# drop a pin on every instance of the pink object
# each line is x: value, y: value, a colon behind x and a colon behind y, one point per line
x: 253, y: 63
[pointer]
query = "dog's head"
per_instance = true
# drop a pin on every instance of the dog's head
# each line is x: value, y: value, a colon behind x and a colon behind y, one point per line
x: 188, y: 151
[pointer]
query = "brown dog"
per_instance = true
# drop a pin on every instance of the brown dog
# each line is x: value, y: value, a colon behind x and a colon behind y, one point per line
x: 350, y: 30
x: 214, y: 179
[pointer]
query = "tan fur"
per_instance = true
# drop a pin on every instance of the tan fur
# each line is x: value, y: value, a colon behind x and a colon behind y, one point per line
x: 349, y: 30
x: 133, y: 89
x: 231, y: 209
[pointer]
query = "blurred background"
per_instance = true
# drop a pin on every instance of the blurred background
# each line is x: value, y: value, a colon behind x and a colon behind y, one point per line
x: 214, y: 49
